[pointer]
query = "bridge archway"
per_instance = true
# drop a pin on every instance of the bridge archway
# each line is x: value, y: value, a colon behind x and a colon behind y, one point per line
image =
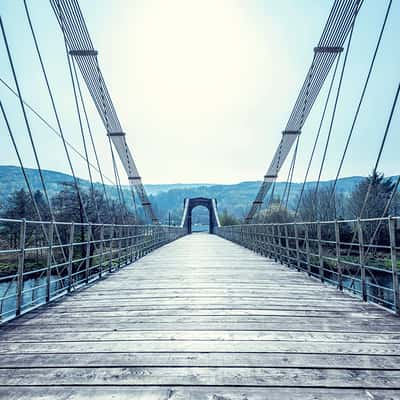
x: 190, y: 204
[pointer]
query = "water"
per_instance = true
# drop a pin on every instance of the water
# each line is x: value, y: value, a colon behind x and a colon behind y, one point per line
x: 34, y: 293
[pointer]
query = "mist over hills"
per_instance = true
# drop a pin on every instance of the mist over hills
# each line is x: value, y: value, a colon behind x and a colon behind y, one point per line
x: 167, y: 198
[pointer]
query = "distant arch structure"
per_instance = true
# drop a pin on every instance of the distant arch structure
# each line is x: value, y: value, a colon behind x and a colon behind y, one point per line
x: 190, y: 204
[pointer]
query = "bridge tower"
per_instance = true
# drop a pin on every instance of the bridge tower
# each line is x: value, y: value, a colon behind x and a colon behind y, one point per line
x: 190, y: 204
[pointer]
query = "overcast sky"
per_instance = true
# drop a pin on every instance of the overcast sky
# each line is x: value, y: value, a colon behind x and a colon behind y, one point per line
x: 203, y: 88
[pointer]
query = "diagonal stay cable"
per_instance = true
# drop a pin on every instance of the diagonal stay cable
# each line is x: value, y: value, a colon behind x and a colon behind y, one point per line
x: 52, y: 129
x: 28, y: 128
x: 338, y: 92
x: 317, y: 137
x: 371, y: 67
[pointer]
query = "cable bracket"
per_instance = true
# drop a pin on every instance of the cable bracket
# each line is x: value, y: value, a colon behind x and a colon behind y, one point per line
x: 83, y: 52
x: 328, y: 49
x: 291, y: 132
x: 270, y: 176
x: 115, y: 134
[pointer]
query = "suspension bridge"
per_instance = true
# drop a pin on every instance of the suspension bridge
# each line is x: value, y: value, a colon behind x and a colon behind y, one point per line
x: 103, y: 306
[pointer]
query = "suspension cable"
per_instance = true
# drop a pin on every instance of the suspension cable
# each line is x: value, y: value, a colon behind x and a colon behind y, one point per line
x: 91, y: 138
x: 54, y: 130
x: 338, y: 91
x: 317, y: 136
x: 371, y: 67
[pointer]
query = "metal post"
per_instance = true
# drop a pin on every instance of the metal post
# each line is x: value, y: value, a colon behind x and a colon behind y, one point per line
x: 21, y: 262
x: 275, y: 247
x: 271, y: 241
x: 338, y: 265
x: 265, y: 241
x: 49, y: 259
x: 321, y: 259
x: 288, y: 260
x: 306, y: 238
x: 135, y: 233
x: 131, y: 230
x: 362, y: 260
x: 111, y: 248
x: 87, y: 261
x: 395, y: 276
x: 101, y: 250
x: 296, y: 235
x: 70, y: 255
x: 278, y: 227
x: 120, y: 230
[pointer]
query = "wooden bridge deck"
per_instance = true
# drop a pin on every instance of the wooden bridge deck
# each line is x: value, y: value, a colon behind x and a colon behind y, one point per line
x: 203, y: 318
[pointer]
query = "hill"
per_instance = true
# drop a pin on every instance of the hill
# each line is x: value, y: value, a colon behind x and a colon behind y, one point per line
x: 167, y: 198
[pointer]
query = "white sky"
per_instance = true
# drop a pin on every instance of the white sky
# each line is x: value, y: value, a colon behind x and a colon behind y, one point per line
x: 204, y: 88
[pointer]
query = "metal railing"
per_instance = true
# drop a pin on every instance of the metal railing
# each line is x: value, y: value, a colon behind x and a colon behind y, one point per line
x: 41, y: 261
x: 359, y: 256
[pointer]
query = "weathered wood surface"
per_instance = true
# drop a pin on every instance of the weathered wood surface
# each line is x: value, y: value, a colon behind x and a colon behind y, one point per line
x: 203, y: 318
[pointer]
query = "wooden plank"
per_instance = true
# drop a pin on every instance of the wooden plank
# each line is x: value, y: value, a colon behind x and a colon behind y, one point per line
x: 233, y: 312
x: 207, y: 359
x: 115, y: 334
x: 194, y: 319
x: 204, y: 376
x: 202, y: 346
x: 193, y: 393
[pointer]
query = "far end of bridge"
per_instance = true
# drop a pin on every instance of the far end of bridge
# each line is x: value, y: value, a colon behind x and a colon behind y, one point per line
x: 190, y: 203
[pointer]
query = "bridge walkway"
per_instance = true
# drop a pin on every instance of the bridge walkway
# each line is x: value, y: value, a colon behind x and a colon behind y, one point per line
x: 203, y: 318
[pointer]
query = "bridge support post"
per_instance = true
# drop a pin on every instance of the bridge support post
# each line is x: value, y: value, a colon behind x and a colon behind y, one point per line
x: 49, y: 261
x: 395, y: 276
x: 21, y: 262
x: 320, y: 254
x: 275, y: 241
x: 131, y: 232
x: 110, y: 255
x: 271, y: 242
x: 119, y: 233
x: 280, y: 250
x: 362, y: 260
x: 88, y: 244
x: 338, y: 265
x: 288, y: 259
x: 296, y: 236
x: 265, y: 242
x: 70, y: 255
x: 101, y: 250
x: 306, y: 238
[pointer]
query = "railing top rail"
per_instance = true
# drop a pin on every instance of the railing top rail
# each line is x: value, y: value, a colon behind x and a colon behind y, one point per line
x: 94, y: 224
x: 396, y: 218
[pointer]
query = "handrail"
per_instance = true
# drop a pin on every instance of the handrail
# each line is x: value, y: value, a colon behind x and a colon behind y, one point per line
x: 356, y: 255
x: 32, y: 272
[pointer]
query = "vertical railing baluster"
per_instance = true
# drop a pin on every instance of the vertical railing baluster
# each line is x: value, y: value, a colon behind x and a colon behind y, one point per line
x: 362, y: 260
x: 135, y: 243
x: 395, y: 275
x: 131, y: 229
x: 308, y: 256
x: 274, y: 240
x: 70, y: 255
x: 21, y: 262
x: 320, y: 254
x: 280, y: 252
x: 111, y: 250
x: 88, y: 258
x: 101, y: 250
x: 338, y: 265
x: 119, y: 238
x: 288, y: 260
x: 296, y: 236
x: 49, y: 261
